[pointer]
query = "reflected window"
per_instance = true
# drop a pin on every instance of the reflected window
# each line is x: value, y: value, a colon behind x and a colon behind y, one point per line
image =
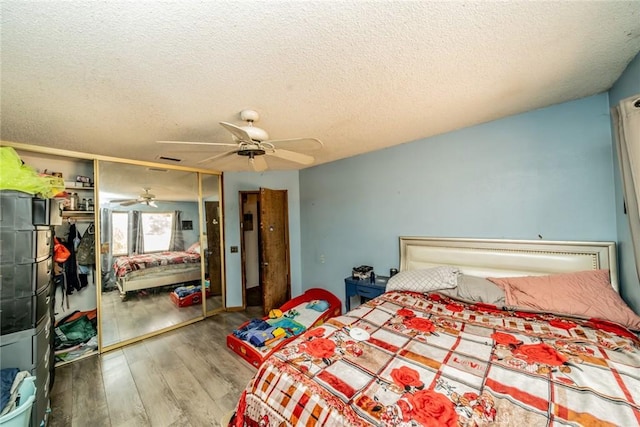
x: 157, y: 229
x: 119, y: 233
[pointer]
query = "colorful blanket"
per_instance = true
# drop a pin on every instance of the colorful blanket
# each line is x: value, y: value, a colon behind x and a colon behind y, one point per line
x: 127, y: 264
x: 434, y: 361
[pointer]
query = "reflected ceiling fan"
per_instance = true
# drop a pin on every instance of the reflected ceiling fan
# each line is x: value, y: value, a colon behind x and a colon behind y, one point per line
x: 145, y: 198
x: 253, y: 143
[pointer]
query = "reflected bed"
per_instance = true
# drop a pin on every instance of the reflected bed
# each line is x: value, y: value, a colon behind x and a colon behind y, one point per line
x: 156, y: 269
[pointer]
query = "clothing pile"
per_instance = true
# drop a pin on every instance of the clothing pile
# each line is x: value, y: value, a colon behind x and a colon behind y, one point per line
x: 259, y: 332
x: 75, y: 335
x: 183, y: 291
x: 10, y: 382
x: 186, y: 295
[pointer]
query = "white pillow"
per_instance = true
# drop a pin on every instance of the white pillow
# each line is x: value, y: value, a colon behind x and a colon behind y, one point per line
x: 431, y: 279
x: 195, y: 248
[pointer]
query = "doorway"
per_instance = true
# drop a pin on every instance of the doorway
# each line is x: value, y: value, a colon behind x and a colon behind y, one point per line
x: 213, y: 258
x: 264, y: 226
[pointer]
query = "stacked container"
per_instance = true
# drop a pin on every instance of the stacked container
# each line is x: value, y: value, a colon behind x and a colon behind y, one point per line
x: 26, y: 291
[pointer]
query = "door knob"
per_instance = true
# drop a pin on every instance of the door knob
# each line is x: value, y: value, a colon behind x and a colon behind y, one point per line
x: 265, y: 264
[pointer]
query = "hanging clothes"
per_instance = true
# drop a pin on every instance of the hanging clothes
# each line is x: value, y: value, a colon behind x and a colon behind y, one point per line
x: 71, y: 266
x: 60, y: 255
x: 86, y: 255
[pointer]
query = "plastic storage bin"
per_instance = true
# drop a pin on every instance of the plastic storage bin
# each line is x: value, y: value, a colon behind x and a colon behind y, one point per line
x: 19, y: 314
x: 17, y: 210
x: 24, y: 246
x: 23, y: 280
x: 21, y: 415
x: 21, y: 211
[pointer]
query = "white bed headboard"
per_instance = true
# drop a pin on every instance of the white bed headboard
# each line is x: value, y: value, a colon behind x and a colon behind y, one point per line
x: 508, y: 258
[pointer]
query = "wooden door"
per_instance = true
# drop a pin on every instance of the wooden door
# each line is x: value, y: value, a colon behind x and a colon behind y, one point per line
x: 274, y: 248
x: 214, y: 270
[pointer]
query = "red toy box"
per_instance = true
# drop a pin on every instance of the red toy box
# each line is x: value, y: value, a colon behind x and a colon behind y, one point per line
x: 191, y: 299
x: 256, y: 355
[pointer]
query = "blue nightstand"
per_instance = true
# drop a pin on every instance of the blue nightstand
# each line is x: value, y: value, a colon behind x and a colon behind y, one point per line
x: 364, y: 288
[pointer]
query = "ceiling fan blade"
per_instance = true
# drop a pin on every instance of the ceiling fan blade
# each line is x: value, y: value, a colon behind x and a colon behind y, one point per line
x: 129, y: 202
x: 237, y: 131
x: 313, y: 140
x: 197, y: 143
x: 258, y: 163
x: 292, y: 156
x: 152, y: 204
x: 218, y: 156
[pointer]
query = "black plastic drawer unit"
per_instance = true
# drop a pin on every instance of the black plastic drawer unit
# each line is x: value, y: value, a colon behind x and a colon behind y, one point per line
x: 22, y: 280
x: 24, y: 349
x: 18, y: 314
x: 21, y: 211
x: 26, y: 287
x: 24, y: 246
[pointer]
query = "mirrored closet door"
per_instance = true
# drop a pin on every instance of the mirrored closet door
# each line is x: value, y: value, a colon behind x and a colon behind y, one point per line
x: 212, y: 243
x: 150, y: 250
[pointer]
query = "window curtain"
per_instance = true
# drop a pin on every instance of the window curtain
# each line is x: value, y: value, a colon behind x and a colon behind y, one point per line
x: 177, y: 239
x: 106, y: 258
x: 136, y: 233
x: 627, y: 120
x: 105, y: 238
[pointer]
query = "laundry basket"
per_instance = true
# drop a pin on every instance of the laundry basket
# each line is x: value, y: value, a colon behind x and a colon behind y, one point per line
x: 21, y: 415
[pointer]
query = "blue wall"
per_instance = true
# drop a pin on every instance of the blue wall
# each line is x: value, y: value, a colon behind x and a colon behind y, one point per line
x: 548, y: 173
x: 234, y: 182
x: 627, y: 85
x: 544, y: 173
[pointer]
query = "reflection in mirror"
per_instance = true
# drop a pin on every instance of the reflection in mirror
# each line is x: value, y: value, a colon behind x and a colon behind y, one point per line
x: 211, y: 226
x: 149, y: 250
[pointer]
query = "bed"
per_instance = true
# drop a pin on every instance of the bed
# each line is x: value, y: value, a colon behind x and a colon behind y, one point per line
x: 152, y: 270
x: 444, y: 356
x: 302, y: 309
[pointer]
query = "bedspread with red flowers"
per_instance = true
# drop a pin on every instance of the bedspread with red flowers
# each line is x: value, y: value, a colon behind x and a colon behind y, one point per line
x: 124, y: 265
x: 433, y: 361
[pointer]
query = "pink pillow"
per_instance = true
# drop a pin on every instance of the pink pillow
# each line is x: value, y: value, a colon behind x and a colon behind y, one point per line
x: 584, y: 293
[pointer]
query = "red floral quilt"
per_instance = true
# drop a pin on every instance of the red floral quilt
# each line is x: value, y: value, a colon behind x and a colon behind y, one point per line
x: 127, y: 264
x: 434, y: 361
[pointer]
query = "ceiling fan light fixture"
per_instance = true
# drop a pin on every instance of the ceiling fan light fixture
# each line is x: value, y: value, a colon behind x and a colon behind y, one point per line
x: 251, y: 152
x: 249, y: 116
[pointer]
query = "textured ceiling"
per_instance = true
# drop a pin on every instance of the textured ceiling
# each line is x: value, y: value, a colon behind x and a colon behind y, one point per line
x: 112, y: 78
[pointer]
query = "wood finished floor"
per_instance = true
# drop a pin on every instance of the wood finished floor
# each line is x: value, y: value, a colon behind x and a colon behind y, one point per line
x: 142, y: 313
x: 186, y: 377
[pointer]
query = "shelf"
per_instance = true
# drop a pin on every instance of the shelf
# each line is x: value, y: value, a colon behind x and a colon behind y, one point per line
x: 88, y: 353
x: 67, y: 212
x: 70, y: 190
x: 77, y: 213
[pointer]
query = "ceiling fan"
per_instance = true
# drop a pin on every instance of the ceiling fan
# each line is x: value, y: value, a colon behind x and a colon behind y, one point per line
x: 253, y: 142
x: 145, y: 198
